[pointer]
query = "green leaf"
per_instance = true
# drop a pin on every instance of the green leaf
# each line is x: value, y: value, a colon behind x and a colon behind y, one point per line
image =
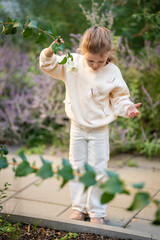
x: 9, y: 20
x: 111, y: 173
x: 61, y: 47
x: 3, y: 162
x: 106, y: 197
x: 66, y: 172
x: 89, y: 178
x: 22, y: 156
x: 41, y: 38
x: 63, y: 61
x: 1, y: 6
x: 63, y: 182
x: 1, y: 21
x: 125, y: 191
x: 57, y: 47
x: 45, y: 171
x: 9, y: 30
x: 52, y: 30
x: 4, y: 150
x: 27, y: 32
x: 141, y: 199
x: 18, y: 23
x: 157, y: 202
x: 44, y: 161
x: 112, y: 185
x: 138, y: 185
x: 157, y: 217
x: 88, y: 168
x: 33, y: 24
x: 49, y: 30
x: 70, y: 56
x: 23, y: 169
x: 14, y: 160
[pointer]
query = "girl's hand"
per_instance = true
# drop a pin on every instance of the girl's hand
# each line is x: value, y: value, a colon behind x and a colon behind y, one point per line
x: 132, y: 110
x: 57, y: 41
x: 49, y: 52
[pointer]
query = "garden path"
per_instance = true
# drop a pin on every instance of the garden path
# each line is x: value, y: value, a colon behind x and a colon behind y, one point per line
x: 27, y: 202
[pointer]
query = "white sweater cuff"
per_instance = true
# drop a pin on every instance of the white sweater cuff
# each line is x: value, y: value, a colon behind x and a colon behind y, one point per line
x: 44, y: 58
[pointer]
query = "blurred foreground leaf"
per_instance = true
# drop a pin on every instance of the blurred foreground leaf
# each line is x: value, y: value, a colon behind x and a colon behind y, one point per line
x: 45, y: 171
x: 27, y: 32
x: 138, y: 185
x: 23, y: 169
x: 33, y: 24
x: 113, y: 185
x: 141, y: 199
x: 157, y: 217
x: 66, y: 172
x: 106, y: 197
x: 3, y: 162
x: 89, y: 178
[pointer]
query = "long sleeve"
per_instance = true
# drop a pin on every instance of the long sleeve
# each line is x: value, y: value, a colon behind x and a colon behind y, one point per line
x: 120, y: 97
x: 51, y: 66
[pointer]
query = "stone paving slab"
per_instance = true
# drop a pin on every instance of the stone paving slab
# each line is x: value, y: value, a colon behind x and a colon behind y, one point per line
x: 141, y: 161
x: 144, y: 226
x: 136, y: 175
x: 32, y: 208
x: 49, y: 191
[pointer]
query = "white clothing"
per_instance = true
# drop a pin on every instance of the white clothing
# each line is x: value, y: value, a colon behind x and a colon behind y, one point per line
x: 88, y: 146
x: 93, y: 98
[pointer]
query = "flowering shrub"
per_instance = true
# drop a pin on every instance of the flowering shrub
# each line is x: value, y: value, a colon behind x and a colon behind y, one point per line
x: 31, y: 106
x: 142, y: 75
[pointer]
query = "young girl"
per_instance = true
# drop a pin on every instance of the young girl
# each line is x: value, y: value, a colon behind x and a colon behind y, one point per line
x: 96, y: 95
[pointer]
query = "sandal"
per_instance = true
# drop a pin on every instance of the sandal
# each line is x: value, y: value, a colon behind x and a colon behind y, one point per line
x: 99, y: 220
x: 76, y: 215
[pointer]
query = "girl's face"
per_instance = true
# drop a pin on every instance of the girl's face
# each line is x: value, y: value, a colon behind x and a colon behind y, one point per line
x: 95, y: 61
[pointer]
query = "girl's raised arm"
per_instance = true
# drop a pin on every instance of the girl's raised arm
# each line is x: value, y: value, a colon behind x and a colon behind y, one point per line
x: 49, y: 62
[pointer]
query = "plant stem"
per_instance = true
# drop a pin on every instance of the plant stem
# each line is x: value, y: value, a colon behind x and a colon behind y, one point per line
x: 31, y: 27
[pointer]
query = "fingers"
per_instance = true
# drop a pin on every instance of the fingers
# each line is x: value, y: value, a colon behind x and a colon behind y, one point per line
x: 59, y: 40
x: 132, y: 111
x: 133, y: 114
x: 137, y: 104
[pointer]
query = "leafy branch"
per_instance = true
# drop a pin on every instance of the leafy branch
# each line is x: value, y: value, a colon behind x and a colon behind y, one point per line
x: 28, y: 26
x: 110, y: 187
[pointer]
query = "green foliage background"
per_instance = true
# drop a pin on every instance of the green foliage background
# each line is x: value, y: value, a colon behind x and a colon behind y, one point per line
x: 136, y: 21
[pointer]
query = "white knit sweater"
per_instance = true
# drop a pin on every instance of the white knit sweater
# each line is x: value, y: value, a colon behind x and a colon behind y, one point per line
x: 93, y: 98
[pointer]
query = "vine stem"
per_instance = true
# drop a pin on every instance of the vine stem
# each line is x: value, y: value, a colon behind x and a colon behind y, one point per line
x: 31, y: 27
x: 78, y: 174
x: 36, y: 168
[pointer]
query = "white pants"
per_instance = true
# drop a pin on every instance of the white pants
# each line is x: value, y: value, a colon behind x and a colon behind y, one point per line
x: 88, y: 146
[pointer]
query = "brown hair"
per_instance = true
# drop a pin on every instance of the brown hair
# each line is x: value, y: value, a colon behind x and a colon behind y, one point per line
x: 98, y: 40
